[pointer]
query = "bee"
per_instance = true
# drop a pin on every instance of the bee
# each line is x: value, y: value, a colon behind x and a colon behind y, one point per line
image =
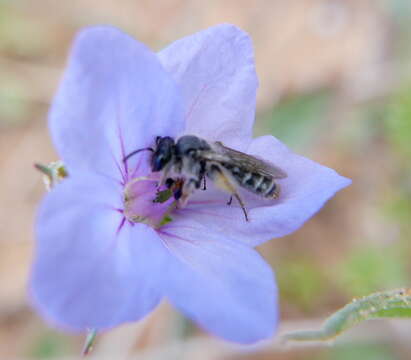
x: 186, y: 163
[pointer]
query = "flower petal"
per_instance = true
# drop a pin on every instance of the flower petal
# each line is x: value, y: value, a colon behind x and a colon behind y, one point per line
x: 87, y: 272
x: 308, y: 186
x: 115, y: 98
x: 215, y: 70
x: 305, y: 190
x: 224, y: 286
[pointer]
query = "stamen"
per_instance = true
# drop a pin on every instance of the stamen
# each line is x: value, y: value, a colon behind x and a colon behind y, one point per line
x: 142, y: 205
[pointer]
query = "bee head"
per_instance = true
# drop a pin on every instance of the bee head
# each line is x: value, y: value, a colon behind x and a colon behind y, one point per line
x: 163, y: 153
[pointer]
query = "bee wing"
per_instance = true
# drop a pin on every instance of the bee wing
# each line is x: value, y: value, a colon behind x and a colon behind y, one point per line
x: 249, y: 162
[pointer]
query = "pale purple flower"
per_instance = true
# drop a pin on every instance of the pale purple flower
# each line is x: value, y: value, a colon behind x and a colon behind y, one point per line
x: 97, y: 268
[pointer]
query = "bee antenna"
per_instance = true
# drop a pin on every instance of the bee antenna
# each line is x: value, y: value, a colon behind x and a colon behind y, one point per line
x: 135, y: 152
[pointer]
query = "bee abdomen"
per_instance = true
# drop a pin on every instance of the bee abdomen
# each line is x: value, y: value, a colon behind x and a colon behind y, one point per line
x: 273, y: 190
x: 258, y: 184
x: 266, y: 186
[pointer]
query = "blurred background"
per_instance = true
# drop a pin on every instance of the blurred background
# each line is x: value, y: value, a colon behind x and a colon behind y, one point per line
x: 335, y: 85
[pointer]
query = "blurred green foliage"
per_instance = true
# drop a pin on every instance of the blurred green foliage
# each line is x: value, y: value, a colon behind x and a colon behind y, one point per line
x: 397, y: 206
x: 13, y: 107
x: 297, y: 120
x: 398, y: 123
x: 22, y: 35
x: 24, y: 41
x: 360, y: 351
x: 49, y: 345
x: 369, y: 269
x: 302, y: 283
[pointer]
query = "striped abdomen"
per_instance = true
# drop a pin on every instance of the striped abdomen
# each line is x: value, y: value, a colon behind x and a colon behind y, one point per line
x: 258, y: 184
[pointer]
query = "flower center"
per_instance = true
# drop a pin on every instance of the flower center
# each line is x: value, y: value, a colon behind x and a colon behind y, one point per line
x: 143, y: 203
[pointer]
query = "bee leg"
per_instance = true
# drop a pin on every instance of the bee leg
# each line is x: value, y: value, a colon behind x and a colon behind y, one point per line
x: 224, y: 182
x: 202, y: 176
x: 178, y: 192
x: 164, y: 176
x: 162, y: 180
x: 188, y: 188
x: 240, y: 201
x: 230, y: 200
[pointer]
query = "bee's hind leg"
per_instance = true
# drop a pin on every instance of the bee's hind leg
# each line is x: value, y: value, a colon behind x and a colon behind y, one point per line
x: 240, y: 201
x: 230, y: 200
x: 223, y: 182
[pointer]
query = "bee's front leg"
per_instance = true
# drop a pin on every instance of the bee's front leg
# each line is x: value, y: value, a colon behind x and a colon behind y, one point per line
x: 164, y: 176
x: 163, y: 180
x: 187, y: 190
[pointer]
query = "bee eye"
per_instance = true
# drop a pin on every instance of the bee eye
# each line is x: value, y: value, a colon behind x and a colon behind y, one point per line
x: 158, y: 162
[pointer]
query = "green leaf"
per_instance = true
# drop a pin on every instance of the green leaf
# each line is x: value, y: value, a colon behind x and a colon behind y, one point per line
x: 296, y: 121
x: 48, y: 345
x: 368, y: 267
x: 303, y: 282
x: 387, y: 304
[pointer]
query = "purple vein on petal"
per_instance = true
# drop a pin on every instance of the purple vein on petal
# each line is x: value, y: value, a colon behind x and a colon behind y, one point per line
x: 195, y: 102
x: 134, y: 173
x: 170, y: 227
x: 122, y: 147
x: 104, y: 175
x: 180, y: 254
x: 120, y: 226
x: 140, y: 158
x: 111, y: 208
x: 176, y: 236
x: 177, y: 254
x: 123, y: 175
